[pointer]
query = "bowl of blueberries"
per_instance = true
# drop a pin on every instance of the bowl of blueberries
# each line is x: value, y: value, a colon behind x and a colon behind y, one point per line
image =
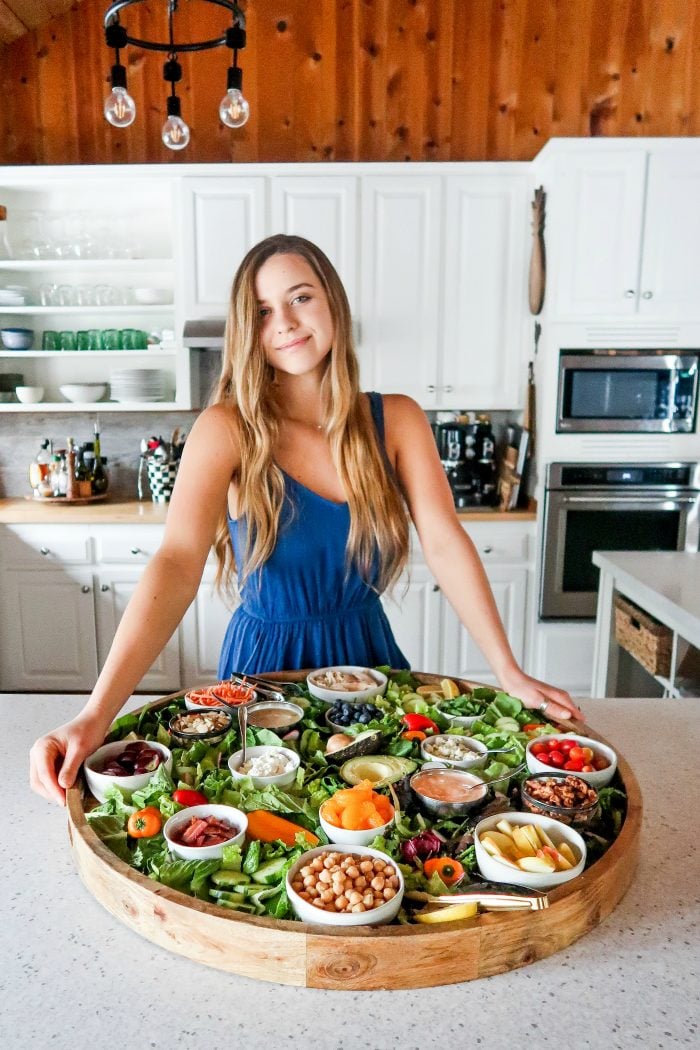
x: 344, y: 713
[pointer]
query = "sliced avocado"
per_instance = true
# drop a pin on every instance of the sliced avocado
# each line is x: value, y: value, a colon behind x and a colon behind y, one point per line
x: 380, y: 770
x: 364, y: 744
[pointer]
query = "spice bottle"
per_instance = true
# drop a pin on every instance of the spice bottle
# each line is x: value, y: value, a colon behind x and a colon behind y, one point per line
x: 72, y: 481
x: 82, y: 474
x: 39, y: 468
x: 100, y: 481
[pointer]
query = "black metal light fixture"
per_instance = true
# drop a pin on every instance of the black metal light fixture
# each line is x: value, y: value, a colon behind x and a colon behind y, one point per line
x: 119, y: 107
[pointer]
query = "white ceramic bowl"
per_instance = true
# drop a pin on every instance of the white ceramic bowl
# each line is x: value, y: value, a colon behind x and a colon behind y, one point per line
x: 152, y: 296
x: 29, y: 395
x: 280, y: 779
x: 598, y: 779
x: 496, y: 871
x: 83, y: 392
x: 376, y: 917
x: 460, y: 721
x: 466, y: 763
x: 17, y: 338
x: 99, y: 782
x: 351, y: 838
x: 234, y: 816
x: 329, y: 696
x: 192, y: 705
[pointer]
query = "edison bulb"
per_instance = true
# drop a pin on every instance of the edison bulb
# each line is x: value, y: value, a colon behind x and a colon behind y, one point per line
x: 120, y: 108
x: 175, y: 134
x: 234, y: 109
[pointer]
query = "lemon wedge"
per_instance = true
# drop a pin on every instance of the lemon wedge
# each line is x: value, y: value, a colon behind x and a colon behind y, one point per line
x: 429, y: 690
x: 449, y: 914
x: 449, y: 689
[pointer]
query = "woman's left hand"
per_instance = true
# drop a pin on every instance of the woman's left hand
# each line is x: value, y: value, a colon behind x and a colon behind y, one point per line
x: 538, y: 696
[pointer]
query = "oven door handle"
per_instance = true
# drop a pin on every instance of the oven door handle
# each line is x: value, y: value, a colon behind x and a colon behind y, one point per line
x: 646, y: 500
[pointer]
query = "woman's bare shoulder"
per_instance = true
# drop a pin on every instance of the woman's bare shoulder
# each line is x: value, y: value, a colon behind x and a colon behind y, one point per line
x: 402, y: 413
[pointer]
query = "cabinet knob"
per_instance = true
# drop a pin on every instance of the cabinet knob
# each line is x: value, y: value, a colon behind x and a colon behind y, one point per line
x: 448, y: 389
x: 647, y: 295
x: 487, y: 550
x: 431, y: 388
x: 44, y: 551
x: 436, y: 587
x: 630, y: 293
x: 136, y: 550
x: 104, y: 587
x: 85, y: 589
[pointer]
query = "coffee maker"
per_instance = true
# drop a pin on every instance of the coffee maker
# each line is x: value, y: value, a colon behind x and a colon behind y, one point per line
x: 467, y: 455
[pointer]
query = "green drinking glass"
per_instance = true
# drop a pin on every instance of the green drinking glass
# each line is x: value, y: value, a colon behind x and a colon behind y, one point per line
x: 49, y: 340
x: 66, y: 341
x: 111, y: 339
x: 82, y: 340
x: 128, y: 338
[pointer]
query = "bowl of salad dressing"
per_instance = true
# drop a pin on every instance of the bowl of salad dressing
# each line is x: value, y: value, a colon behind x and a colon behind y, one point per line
x: 277, y: 715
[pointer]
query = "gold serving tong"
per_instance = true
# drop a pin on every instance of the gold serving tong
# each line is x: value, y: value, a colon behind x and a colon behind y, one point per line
x: 489, y: 899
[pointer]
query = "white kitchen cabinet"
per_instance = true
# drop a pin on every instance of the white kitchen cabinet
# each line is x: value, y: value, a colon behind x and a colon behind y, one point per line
x: 324, y: 210
x: 47, y: 638
x: 222, y: 218
x: 400, y: 285
x: 594, y: 221
x: 460, y: 654
x: 563, y: 655
x: 484, y: 291
x: 413, y: 610
x: 203, y: 630
x: 670, y: 273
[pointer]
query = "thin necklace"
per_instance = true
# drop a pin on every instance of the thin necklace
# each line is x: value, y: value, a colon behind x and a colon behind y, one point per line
x: 304, y: 422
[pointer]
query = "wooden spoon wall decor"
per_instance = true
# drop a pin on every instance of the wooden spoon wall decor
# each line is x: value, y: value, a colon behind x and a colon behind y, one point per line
x: 538, y: 262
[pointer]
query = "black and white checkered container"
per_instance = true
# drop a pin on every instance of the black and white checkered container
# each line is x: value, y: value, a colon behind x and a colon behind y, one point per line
x: 161, y: 478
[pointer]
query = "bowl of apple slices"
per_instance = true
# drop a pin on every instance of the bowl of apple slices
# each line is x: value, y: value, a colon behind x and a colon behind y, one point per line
x: 526, y: 849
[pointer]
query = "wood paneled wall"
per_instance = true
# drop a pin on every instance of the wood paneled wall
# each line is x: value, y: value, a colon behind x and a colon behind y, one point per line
x: 373, y: 80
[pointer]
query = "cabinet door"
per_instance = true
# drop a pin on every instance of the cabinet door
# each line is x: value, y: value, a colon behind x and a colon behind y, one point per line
x: 485, y: 280
x: 48, y: 634
x: 324, y: 210
x: 460, y: 655
x: 595, y: 213
x: 222, y: 219
x: 203, y: 630
x: 113, y: 589
x: 670, y: 284
x: 563, y: 656
x: 413, y: 611
x: 400, y: 285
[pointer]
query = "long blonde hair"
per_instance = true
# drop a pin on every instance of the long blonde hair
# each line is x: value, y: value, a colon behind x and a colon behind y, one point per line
x: 378, y: 515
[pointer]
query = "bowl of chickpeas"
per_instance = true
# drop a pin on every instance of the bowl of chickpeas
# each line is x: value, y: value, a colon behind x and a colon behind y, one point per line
x: 357, y: 886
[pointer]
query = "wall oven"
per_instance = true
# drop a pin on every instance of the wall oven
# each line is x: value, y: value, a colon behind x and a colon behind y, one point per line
x: 612, y: 507
x: 627, y: 391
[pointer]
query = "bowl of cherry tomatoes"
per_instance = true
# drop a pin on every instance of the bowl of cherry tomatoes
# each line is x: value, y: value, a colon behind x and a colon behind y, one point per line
x: 567, y: 753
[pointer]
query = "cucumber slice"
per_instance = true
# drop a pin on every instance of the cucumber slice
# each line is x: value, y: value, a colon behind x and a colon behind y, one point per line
x: 507, y: 725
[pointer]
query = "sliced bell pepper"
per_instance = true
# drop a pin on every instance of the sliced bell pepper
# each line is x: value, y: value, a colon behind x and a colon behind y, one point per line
x: 419, y: 722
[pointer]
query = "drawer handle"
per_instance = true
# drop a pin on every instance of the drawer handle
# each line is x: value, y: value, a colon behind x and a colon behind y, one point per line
x: 136, y: 550
x: 487, y: 550
x: 431, y: 388
x: 448, y: 389
x: 630, y: 293
x: 647, y: 295
x: 104, y: 587
x: 44, y: 551
x: 85, y: 589
x: 436, y: 587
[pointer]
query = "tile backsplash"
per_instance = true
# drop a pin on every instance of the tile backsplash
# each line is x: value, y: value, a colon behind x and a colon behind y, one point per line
x: 120, y: 436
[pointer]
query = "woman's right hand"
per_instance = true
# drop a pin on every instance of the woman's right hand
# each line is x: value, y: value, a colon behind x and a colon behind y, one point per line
x: 55, y: 759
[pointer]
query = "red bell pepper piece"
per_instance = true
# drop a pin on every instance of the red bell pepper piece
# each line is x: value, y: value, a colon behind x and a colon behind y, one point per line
x: 419, y: 722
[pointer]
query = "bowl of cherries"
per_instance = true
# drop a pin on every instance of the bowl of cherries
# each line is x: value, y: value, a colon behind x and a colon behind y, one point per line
x: 588, y: 759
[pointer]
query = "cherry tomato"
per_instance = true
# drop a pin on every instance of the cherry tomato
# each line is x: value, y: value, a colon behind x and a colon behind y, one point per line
x: 587, y: 768
x: 540, y: 747
x: 599, y: 762
x: 587, y: 754
x: 574, y: 767
x: 566, y: 745
x: 145, y: 823
x: 576, y: 754
x: 186, y: 797
x: 532, y: 726
x: 556, y: 758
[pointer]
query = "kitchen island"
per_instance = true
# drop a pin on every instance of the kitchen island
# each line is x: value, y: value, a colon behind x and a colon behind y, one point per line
x: 664, y: 584
x: 72, y: 972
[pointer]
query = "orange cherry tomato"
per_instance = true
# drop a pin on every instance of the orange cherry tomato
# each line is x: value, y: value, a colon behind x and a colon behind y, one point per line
x: 145, y: 823
x: 414, y: 734
x: 449, y: 869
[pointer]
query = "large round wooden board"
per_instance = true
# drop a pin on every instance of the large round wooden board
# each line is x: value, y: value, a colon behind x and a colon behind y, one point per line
x: 296, y: 953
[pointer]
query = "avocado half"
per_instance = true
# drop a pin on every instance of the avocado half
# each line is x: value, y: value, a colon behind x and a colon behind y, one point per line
x: 380, y: 770
x: 363, y: 744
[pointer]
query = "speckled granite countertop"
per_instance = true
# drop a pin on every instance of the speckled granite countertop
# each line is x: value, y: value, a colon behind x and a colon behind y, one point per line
x: 73, y: 977
x: 27, y: 511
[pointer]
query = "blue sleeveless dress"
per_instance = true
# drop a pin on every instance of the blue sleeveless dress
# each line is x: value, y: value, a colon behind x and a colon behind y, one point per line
x: 302, y: 608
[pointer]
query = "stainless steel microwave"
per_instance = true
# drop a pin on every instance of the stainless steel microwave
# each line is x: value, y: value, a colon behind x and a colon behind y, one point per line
x: 627, y: 391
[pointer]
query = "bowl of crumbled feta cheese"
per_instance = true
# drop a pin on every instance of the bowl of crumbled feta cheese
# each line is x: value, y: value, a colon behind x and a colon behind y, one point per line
x: 462, y: 752
x: 265, y: 765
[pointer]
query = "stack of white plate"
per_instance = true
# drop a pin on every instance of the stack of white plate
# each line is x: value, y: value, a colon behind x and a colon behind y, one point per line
x: 14, y: 295
x: 139, y: 384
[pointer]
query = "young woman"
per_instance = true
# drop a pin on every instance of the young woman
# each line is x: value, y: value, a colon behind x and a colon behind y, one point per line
x: 306, y: 487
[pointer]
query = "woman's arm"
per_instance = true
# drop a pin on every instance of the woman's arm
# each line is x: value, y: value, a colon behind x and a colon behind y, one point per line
x: 165, y: 590
x: 451, y: 555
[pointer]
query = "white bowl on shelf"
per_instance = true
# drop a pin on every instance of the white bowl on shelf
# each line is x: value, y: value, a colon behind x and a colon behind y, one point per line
x: 29, y: 395
x: 83, y: 392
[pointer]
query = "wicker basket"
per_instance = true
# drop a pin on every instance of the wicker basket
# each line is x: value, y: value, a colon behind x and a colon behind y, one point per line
x: 647, y: 640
